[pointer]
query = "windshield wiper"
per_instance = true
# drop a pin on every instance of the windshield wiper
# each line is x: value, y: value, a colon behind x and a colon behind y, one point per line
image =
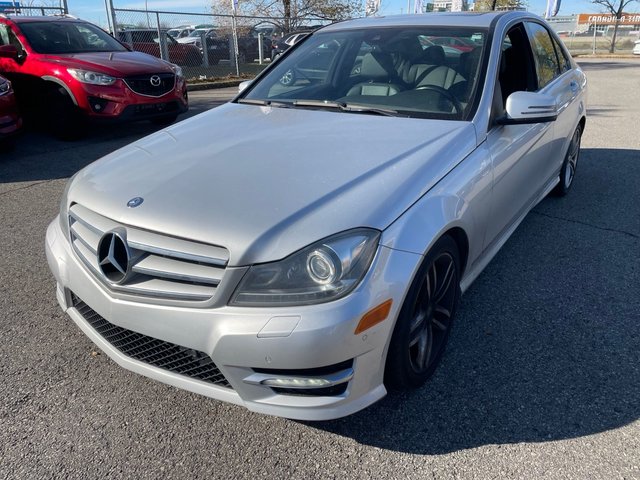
x: 267, y: 103
x: 347, y: 107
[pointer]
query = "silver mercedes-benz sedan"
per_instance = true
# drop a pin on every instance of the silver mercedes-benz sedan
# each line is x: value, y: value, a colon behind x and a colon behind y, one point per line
x: 303, y: 248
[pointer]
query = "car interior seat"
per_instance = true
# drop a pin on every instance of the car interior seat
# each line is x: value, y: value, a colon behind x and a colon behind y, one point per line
x: 378, y: 69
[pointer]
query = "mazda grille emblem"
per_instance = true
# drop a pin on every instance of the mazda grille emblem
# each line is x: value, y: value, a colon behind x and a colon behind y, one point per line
x: 135, y: 202
x: 155, y: 81
x: 114, y: 256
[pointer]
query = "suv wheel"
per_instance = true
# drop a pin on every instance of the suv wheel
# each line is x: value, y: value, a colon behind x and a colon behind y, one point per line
x: 64, y: 117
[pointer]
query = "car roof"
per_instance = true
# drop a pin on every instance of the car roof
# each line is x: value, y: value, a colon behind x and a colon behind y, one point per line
x: 444, y: 19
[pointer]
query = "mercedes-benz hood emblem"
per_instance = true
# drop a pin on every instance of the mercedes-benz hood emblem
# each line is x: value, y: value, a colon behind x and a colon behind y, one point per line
x: 114, y: 257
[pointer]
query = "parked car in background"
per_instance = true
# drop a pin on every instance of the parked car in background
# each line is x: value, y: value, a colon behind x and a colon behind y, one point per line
x: 462, y: 44
x: 636, y: 47
x: 10, y: 120
x: 219, y: 44
x: 147, y: 41
x: 301, y: 271
x: 66, y: 71
x: 179, y: 32
x: 281, y: 45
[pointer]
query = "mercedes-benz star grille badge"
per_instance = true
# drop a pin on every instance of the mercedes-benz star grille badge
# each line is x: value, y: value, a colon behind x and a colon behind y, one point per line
x: 114, y: 257
x: 135, y: 202
x: 155, y: 81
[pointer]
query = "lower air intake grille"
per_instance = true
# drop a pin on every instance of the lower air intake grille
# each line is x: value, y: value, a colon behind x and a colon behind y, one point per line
x: 158, y: 353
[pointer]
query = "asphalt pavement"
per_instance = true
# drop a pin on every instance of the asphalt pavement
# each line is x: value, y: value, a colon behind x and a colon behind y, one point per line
x: 541, y: 378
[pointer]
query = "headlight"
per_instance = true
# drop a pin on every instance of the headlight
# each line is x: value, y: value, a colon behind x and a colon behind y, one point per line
x: 322, y: 272
x: 5, y: 87
x: 93, y: 78
x: 177, y: 70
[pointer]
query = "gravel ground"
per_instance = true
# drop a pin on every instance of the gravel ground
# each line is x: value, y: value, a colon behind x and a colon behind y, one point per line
x: 541, y: 380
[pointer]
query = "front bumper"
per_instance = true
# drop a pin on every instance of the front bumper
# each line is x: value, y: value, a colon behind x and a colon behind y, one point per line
x: 245, y: 341
x: 118, y: 103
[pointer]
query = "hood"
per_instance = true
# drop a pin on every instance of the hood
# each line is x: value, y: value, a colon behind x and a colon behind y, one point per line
x: 264, y: 182
x: 117, y: 64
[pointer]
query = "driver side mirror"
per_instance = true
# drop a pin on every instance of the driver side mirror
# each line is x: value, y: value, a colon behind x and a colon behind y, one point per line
x: 243, y: 85
x: 9, y: 51
x: 529, y: 107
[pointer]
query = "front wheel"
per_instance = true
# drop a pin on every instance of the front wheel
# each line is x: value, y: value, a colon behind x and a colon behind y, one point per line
x: 422, y: 329
x: 570, y: 164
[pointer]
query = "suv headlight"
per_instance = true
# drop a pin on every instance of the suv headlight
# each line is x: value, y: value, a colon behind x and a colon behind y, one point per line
x: 93, y: 78
x: 176, y: 69
x: 322, y: 272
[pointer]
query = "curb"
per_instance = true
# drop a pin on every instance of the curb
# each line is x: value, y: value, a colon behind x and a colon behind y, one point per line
x: 193, y: 87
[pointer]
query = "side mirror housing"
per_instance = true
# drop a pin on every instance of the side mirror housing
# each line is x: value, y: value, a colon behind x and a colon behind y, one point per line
x: 529, y: 107
x: 9, y: 51
x: 243, y: 85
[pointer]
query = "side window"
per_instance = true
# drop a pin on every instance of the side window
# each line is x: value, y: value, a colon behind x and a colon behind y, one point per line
x: 7, y: 37
x: 565, y: 63
x: 544, y: 53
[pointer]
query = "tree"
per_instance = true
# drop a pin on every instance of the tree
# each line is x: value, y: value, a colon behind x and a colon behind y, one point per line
x: 485, y: 5
x: 616, y: 8
x: 289, y: 15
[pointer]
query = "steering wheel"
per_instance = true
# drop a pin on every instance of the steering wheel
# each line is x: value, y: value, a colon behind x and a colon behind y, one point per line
x: 445, y: 93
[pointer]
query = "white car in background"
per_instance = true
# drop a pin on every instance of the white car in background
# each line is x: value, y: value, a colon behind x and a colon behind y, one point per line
x: 636, y: 47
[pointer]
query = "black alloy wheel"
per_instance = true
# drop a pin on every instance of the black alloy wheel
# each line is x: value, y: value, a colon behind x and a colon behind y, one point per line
x: 570, y: 164
x: 426, y: 317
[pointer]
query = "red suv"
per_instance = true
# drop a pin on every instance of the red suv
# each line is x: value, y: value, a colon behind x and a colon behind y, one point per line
x: 68, y: 70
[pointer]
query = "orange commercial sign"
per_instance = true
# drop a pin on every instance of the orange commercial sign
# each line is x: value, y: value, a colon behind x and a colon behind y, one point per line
x: 608, y: 19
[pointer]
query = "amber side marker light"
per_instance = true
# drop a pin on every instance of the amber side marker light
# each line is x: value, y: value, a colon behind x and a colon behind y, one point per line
x: 374, y: 316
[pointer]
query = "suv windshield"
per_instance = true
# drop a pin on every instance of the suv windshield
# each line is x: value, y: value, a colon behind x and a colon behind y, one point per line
x: 380, y: 71
x: 68, y: 37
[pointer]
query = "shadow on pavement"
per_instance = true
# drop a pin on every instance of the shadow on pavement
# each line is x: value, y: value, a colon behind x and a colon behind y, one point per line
x: 39, y: 156
x: 547, y: 341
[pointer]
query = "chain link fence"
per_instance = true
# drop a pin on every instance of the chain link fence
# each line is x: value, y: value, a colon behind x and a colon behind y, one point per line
x: 593, y: 38
x: 32, y: 10
x: 205, y: 45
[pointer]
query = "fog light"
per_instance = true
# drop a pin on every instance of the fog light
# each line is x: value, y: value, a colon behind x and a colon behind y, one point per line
x: 97, y: 104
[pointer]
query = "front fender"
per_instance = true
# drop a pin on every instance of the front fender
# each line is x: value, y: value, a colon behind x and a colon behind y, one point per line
x: 461, y: 200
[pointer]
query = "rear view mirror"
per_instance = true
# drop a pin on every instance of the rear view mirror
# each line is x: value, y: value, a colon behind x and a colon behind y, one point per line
x: 529, y: 107
x: 9, y: 51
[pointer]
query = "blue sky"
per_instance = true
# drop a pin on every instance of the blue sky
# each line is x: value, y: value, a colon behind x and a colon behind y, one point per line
x: 94, y: 10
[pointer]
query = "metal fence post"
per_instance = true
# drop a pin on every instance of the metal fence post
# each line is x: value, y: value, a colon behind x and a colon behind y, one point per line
x: 112, y: 14
x: 595, y: 28
x: 65, y: 7
x: 164, y: 54
x: 234, y: 40
x: 205, y: 49
x: 260, y: 45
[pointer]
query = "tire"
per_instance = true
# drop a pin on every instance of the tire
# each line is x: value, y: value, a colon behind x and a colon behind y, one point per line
x: 569, y: 165
x: 165, y: 119
x: 65, y: 120
x: 422, y: 329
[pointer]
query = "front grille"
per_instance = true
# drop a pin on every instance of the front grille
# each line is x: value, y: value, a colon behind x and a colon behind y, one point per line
x: 142, y: 84
x: 160, y: 266
x: 158, y: 353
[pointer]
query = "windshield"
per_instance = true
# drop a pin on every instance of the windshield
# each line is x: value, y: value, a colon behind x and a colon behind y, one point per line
x: 174, y: 33
x: 198, y: 33
x: 378, y: 70
x: 69, y: 37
